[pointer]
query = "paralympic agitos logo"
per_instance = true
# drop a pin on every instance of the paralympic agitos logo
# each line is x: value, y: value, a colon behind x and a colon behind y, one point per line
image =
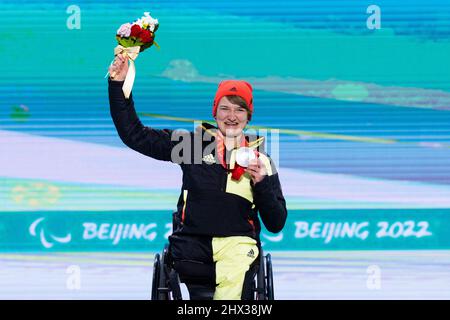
x: 48, y: 240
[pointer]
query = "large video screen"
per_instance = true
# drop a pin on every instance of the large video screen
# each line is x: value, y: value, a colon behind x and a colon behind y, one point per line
x: 352, y: 97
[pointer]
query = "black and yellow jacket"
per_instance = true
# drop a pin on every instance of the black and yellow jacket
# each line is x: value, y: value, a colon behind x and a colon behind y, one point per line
x: 210, y: 203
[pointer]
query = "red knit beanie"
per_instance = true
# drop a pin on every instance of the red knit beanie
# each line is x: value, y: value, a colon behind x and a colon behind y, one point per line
x: 239, y: 88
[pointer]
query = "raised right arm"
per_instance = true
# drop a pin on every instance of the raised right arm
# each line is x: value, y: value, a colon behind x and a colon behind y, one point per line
x: 150, y: 142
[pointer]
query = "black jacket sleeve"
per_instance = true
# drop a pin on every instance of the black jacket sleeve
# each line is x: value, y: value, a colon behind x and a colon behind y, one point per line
x: 150, y: 142
x: 268, y: 198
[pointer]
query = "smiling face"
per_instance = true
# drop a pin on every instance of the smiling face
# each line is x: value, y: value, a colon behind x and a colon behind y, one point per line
x: 231, y: 118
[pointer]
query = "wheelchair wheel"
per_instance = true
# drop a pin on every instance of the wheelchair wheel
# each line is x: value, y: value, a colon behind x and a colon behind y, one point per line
x: 163, y: 290
x: 264, y: 281
x: 261, y: 279
x: 269, y: 278
x: 160, y: 286
x: 155, y: 278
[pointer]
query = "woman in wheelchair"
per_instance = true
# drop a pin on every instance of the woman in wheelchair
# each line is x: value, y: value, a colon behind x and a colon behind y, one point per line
x: 228, y: 184
x: 200, y: 278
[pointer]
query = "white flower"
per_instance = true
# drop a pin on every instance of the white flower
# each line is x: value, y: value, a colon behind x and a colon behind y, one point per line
x: 147, y: 20
x: 139, y: 22
x: 124, y: 30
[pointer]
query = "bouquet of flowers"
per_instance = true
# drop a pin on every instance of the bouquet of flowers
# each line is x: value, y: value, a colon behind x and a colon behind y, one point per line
x: 139, y: 33
x: 134, y: 38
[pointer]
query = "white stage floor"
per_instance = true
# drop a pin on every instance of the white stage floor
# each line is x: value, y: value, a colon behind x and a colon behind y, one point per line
x: 297, y: 275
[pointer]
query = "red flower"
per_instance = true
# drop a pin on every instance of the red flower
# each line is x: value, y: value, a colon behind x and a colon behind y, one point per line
x: 146, y: 36
x: 135, y: 30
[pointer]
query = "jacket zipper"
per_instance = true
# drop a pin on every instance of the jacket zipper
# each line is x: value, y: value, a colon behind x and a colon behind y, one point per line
x: 224, y: 181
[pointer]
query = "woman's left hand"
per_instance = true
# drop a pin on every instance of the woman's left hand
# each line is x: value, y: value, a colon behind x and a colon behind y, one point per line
x: 256, y: 170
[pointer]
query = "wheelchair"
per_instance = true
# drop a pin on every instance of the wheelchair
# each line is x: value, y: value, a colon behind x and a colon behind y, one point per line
x: 199, y: 278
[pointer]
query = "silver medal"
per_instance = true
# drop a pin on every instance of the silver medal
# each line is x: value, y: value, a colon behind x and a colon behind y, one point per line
x: 244, y: 155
